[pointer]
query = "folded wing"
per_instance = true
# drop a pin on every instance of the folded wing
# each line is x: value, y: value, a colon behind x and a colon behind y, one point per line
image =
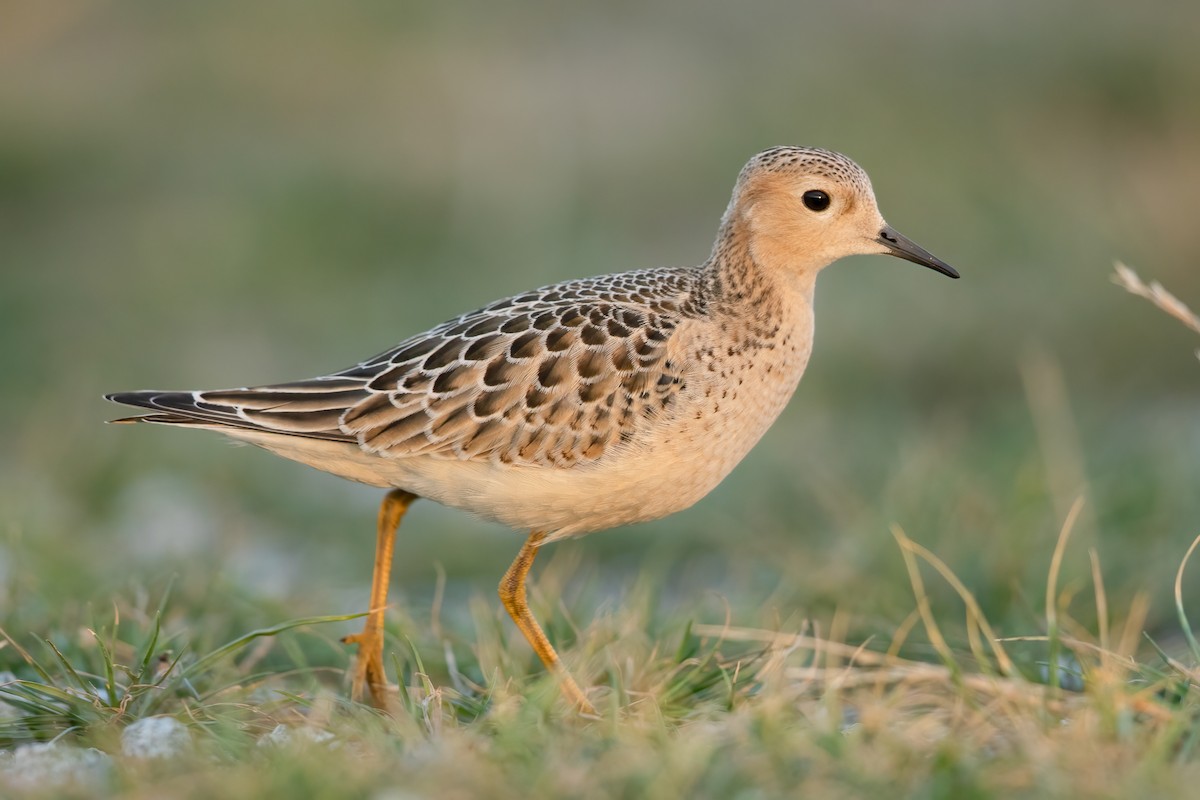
x: 555, y: 378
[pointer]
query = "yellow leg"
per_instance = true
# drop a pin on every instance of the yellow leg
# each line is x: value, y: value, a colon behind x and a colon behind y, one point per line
x: 512, y: 594
x: 368, y: 669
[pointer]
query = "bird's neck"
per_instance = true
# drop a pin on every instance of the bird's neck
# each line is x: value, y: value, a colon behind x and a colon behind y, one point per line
x: 739, y: 274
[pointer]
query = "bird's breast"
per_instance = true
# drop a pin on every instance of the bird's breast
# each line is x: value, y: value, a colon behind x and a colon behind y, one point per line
x: 735, y: 394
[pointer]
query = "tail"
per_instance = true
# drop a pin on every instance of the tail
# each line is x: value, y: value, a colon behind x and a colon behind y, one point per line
x: 171, y: 408
x: 310, y: 409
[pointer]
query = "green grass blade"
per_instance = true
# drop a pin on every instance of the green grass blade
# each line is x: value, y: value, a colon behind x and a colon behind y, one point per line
x: 1179, y: 610
x: 205, y: 662
x: 148, y: 648
x: 110, y: 681
x: 27, y: 657
x: 83, y: 685
x: 74, y: 703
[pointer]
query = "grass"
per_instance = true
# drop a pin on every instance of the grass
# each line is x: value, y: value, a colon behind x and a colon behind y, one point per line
x: 686, y: 708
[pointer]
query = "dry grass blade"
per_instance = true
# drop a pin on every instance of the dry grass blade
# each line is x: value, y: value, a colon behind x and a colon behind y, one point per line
x: 774, y: 640
x: 1127, y: 662
x: 975, y: 618
x: 936, y: 675
x: 1052, y: 628
x: 1101, y: 598
x: 1128, y: 280
x: 1184, y: 623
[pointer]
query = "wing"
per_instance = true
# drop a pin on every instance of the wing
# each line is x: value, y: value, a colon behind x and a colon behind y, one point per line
x: 540, y: 380
x: 553, y: 377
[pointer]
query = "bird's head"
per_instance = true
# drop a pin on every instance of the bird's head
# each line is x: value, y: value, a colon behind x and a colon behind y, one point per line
x: 802, y: 208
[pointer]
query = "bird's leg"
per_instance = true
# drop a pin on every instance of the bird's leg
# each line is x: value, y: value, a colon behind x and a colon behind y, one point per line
x: 368, y: 668
x: 512, y: 594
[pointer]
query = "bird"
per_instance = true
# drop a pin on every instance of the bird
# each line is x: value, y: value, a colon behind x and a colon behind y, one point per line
x: 582, y: 405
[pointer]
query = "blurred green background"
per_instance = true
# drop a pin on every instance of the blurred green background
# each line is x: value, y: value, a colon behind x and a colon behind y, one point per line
x: 202, y: 195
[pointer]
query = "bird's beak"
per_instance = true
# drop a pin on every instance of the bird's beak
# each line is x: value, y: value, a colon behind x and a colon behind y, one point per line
x: 899, y: 245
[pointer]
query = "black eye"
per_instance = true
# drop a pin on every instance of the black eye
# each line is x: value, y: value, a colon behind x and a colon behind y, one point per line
x: 815, y: 200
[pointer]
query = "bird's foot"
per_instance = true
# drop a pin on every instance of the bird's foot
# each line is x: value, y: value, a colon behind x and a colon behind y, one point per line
x: 368, y: 667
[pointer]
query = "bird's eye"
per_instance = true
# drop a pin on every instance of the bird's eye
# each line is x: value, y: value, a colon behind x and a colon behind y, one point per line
x: 815, y: 200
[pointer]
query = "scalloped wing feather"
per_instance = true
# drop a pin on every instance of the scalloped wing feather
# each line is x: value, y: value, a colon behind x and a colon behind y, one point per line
x: 553, y: 377
x: 540, y: 385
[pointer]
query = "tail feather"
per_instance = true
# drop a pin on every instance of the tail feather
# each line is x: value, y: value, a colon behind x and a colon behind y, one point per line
x: 291, y: 413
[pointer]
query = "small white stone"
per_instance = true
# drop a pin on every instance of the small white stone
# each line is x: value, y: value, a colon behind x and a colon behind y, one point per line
x: 286, y: 735
x: 156, y: 737
x: 7, y: 709
x: 50, y: 764
x: 396, y: 794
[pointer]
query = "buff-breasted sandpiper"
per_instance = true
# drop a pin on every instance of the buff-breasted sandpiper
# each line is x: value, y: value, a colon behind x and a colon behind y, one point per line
x: 582, y: 405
